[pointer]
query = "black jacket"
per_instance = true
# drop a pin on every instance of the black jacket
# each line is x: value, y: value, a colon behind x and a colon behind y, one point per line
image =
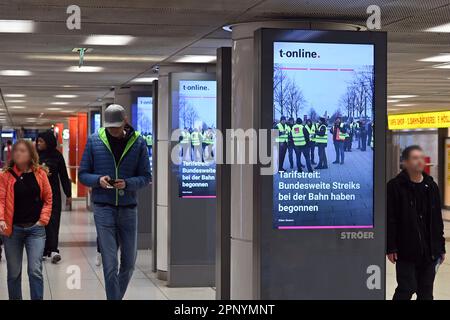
x: 403, y: 235
x: 54, y: 160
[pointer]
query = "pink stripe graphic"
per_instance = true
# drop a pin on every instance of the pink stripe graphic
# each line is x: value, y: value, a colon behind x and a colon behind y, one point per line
x: 323, y: 69
x: 325, y: 227
x: 199, y: 197
x: 287, y: 68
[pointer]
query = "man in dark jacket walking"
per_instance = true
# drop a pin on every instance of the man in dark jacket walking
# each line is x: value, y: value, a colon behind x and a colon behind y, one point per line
x: 415, y: 229
x: 115, y: 165
x: 51, y: 158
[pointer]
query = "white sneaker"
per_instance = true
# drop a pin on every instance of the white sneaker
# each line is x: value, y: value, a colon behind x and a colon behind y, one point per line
x: 56, y: 257
x: 98, y: 259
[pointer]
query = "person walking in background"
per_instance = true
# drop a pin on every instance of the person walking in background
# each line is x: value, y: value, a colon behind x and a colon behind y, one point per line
x: 369, y: 133
x: 290, y: 143
x: 415, y: 229
x: 115, y: 164
x: 339, y: 135
x: 348, y: 138
x: 282, y: 140
x: 322, y: 141
x: 25, y: 210
x: 52, y: 159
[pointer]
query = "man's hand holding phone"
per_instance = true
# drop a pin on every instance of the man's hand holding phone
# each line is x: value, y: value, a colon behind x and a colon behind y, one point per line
x: 107, y: 183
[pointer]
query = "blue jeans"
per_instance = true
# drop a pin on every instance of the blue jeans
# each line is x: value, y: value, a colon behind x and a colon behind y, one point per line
x: 33, y: 239
x: 116, y: 228
x: 339, y: 149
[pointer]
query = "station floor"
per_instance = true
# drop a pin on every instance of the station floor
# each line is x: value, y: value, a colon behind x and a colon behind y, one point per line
x: 78, y: 247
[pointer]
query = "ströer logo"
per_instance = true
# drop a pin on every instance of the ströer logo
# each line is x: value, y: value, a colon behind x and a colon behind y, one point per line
x: 300, y: 53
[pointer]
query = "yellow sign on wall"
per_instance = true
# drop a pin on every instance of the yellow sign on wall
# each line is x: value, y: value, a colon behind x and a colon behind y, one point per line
x: 419, y: 120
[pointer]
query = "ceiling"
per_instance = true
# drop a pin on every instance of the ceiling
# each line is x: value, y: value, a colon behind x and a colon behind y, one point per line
x: 166, y: 30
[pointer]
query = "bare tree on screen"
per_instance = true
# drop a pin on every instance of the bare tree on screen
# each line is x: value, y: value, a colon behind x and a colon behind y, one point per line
x: 294, y: 100
x: 280, y: 83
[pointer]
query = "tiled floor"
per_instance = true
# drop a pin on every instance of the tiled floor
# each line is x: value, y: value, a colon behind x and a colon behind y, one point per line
x: 442, y: 282
x: 77, y: 238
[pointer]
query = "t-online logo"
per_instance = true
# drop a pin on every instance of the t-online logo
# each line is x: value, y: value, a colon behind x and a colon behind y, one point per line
x: 300, y: 53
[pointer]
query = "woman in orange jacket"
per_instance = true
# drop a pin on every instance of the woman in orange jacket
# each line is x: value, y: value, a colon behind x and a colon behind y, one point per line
x: 25, y: 209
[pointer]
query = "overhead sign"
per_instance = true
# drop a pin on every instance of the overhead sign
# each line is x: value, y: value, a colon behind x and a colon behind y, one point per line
x: 419, y: 120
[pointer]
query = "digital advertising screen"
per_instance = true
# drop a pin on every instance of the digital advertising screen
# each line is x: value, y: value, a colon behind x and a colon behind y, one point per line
x: 196, y: 112
x: 323, y: 107
x: 96, y: 121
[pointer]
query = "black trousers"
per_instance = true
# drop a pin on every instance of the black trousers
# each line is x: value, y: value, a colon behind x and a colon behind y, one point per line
x: 282, y: 148
x: 52, y: 228
x: 298, y: 153
x: 290, y: 150
x: 312, y: 147
x: 415, y: 278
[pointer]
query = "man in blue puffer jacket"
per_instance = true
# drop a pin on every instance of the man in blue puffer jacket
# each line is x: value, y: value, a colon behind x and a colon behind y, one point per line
x: 115, y: 165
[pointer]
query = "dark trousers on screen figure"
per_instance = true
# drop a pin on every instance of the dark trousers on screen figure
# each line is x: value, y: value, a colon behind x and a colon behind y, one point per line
x: 282, y: 148
x: 312, y: 147
x: 116, y: 228
x: 415, y: 278
x: 323, y: 162
x: 298, y: 154
x: 290, y: 150
x: 339, y: 149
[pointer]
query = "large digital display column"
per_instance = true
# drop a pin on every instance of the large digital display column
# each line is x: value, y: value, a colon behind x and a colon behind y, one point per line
x: 323, y: 98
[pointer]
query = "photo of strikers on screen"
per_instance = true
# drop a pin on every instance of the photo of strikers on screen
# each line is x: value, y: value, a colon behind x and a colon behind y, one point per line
x: 197, y: 121
x: 323, y: 110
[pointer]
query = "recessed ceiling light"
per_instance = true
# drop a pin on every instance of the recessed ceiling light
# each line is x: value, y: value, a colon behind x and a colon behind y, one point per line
x: 402, y: 96
x: 392, y: 100
x: 196, y: 59
x: 84, y: 69
x: 59, y: 103
x: 442, y: 28
x: 16, y: 107
x: 445, y: 57
x: 66, y: 96
x: 17, y: 26
x: 15, y: 73
x: 146, y: 80
x: 67, y: 111
x: 108, y: 40
x: 15, y: 101
x: 70, y: 86
x: 14, y: 95
x: 53, y: 109
x: 404, y: 104
x: 442, y: 66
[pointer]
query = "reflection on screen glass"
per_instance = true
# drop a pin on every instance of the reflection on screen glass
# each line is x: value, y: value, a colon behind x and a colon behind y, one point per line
x: 323, y: 108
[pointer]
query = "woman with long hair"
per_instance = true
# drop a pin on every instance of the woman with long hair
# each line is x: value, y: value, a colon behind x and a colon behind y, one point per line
x: 51, y: 158
x: 25, y: 209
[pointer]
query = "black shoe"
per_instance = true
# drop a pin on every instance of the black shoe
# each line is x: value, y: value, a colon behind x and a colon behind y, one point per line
x: 281, y: 170
x: 341, y: 163
x: 325, y: 167
x: 318, y: 168
x: 336, y: 162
